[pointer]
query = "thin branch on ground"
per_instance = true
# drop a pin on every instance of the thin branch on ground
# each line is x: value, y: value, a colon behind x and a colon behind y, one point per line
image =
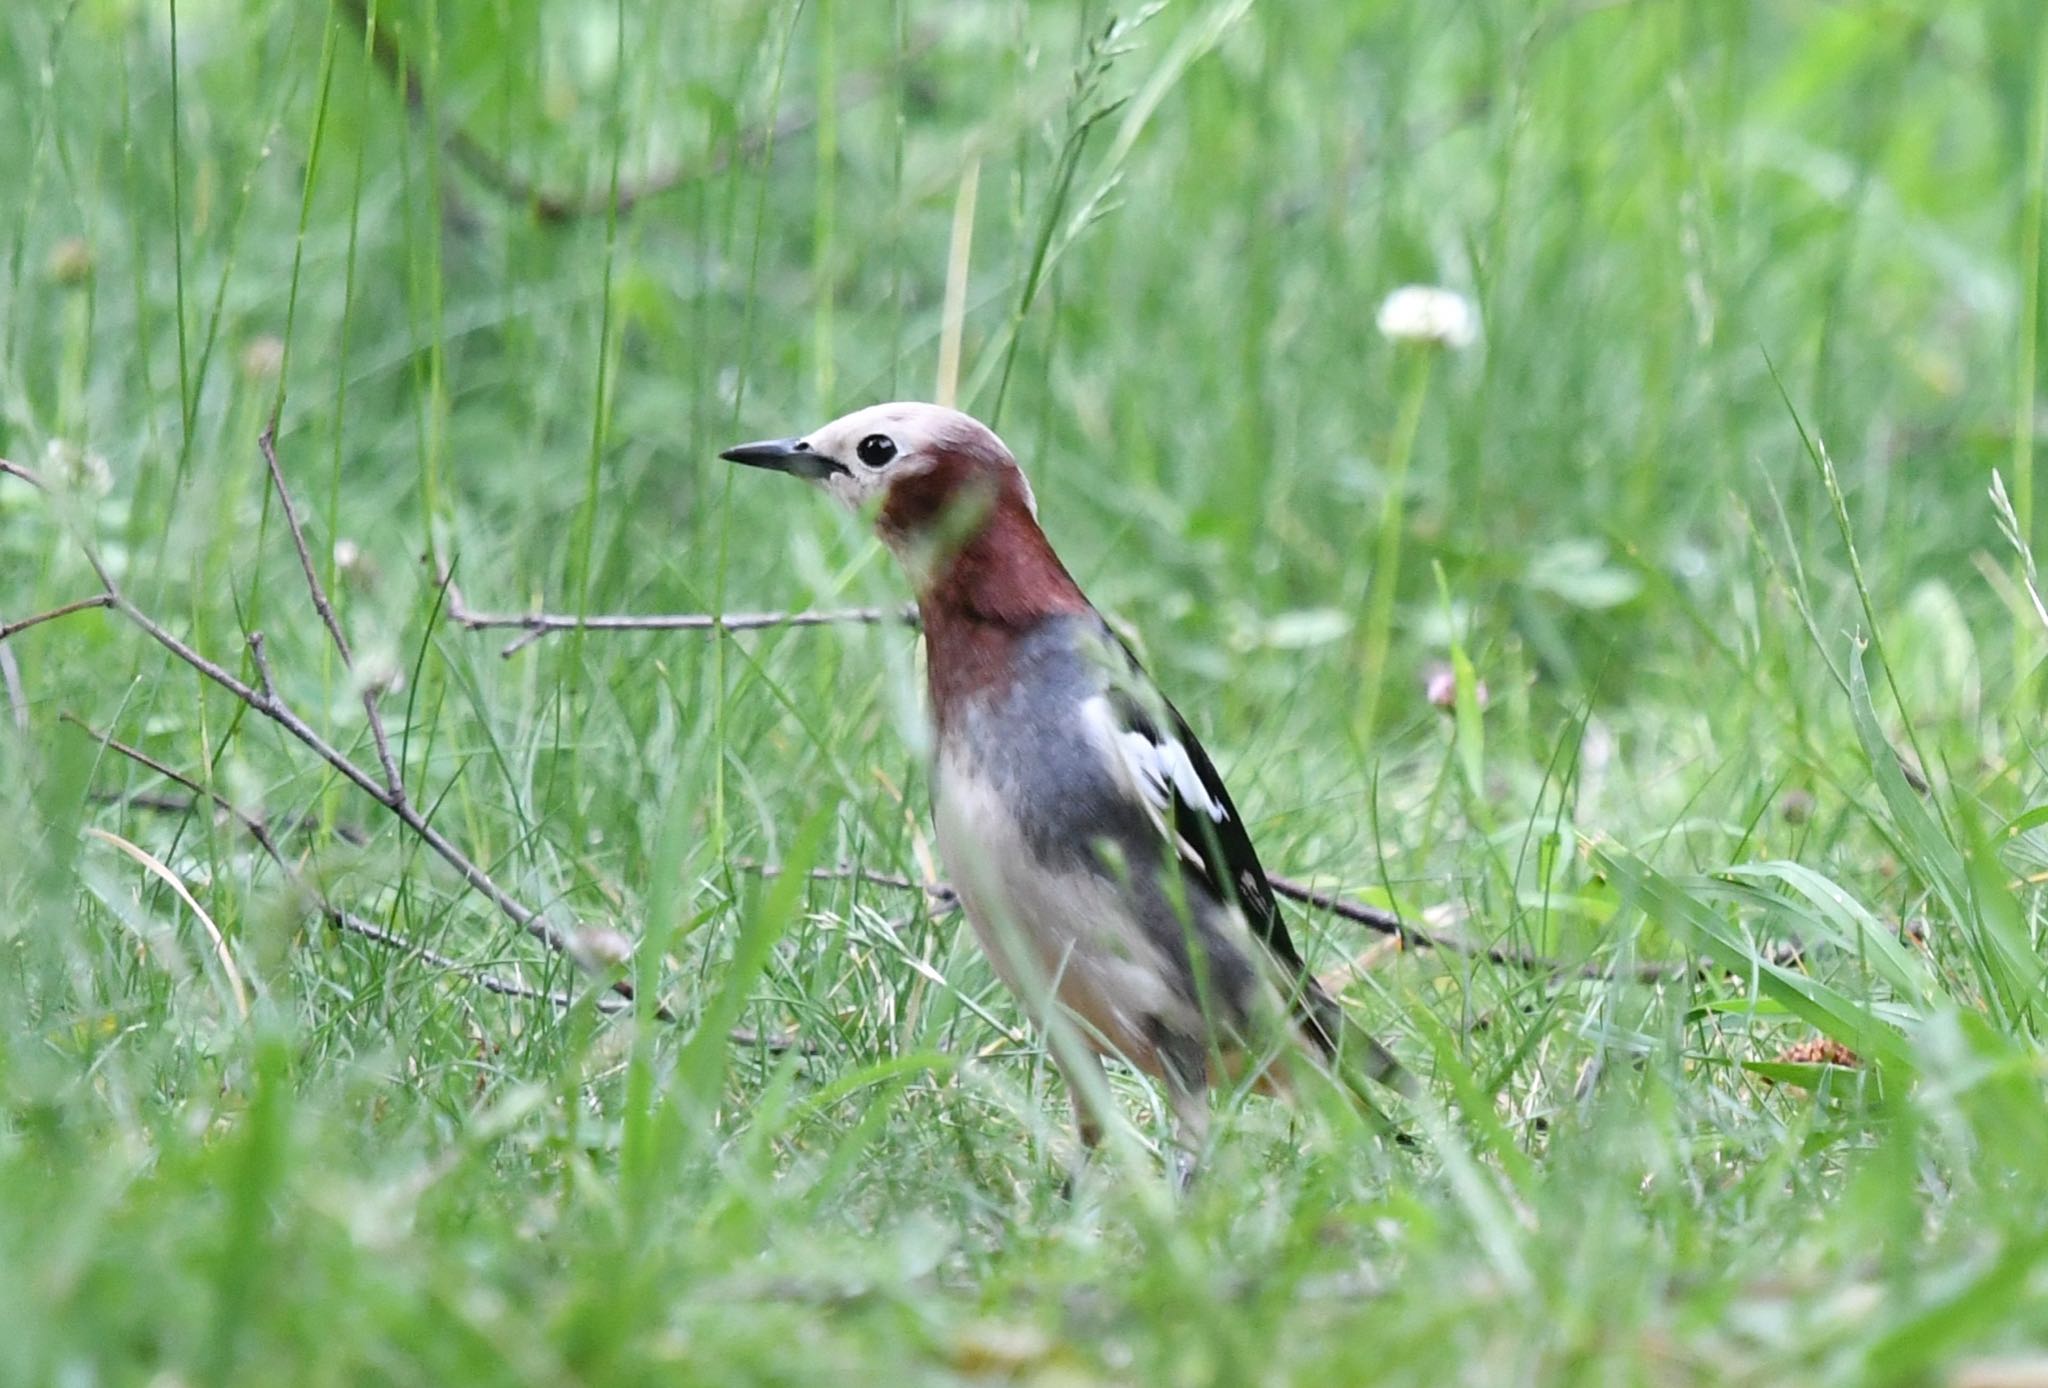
x: 265, y: 700
x: 17, y: 470
x: 350, y: 834
x: 261, y: 661
x: 778, y: 1043
x: 257, y: 829
x: 941, y: 895
x: 391, y: 794
x: 554, y: 205
x: 535, y: 625
x: 482, y: 978
x: 342, y: 919
x: 392, y: 780
x: 1386, y: 922
x: 1375, y: 918
x: 146, y: 800
x: 266, y: 444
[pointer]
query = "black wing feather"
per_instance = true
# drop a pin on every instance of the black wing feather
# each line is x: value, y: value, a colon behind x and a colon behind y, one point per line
x: 1229, y: 866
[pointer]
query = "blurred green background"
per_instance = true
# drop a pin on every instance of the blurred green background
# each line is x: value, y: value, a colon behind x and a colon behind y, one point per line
x: 1707, y: 511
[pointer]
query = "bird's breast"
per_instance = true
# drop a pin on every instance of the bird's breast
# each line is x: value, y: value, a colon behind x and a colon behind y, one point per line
x: 1053, y: 930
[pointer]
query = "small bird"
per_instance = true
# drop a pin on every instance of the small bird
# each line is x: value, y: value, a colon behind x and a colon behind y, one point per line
x: 1101, y: 862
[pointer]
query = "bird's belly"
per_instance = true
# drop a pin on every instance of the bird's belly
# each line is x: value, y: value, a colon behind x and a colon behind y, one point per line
x: 1064, y: 933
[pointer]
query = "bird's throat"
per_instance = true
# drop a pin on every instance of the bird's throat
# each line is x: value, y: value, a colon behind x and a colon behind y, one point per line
x: 978, y: 598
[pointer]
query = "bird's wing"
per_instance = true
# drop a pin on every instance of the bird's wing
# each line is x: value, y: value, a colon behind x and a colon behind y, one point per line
x: 1187, y: 797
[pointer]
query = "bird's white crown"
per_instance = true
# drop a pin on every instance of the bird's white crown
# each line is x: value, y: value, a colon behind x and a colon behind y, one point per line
x: 877, y: 446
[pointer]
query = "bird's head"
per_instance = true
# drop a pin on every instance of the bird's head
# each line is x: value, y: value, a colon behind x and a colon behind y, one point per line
x: 931, y: 477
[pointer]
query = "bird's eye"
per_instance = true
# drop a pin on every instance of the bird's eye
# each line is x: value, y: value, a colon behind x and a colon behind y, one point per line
x: 876, y: 449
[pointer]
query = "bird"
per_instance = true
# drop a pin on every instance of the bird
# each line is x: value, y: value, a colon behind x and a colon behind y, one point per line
x: 1098, y: 856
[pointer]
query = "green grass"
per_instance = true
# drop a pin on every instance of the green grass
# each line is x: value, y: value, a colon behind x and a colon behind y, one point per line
x: 1707, y: 510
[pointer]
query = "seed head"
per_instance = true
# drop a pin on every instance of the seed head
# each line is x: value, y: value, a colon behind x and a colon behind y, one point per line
x: 1431, y: 316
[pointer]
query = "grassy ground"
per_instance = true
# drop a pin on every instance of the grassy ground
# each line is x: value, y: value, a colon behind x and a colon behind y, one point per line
x: 1707, y: 510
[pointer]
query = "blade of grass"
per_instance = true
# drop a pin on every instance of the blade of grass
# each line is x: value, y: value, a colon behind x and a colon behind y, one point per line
x: 953, y: 316
x: 1685, y: 913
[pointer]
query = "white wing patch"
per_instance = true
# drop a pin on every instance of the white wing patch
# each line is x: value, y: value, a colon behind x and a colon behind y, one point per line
x: 1162, y: 764
x: 1159, y: 767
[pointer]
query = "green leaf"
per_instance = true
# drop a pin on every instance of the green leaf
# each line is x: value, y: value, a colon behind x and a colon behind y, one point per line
x: 1844, y: 922
x: 1836, y: 1083
x: 1997, y: 920
x: 1685, y: 913
x: 1934, y: 857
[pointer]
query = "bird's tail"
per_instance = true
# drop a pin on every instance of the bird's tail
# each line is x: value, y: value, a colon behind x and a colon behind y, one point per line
x: 1354, y: 1057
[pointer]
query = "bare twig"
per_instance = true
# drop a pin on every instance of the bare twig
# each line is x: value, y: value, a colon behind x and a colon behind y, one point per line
x: 1383, y: 921
x: 349, y: 921
x: 941, y: 895
x: 539, y: 624
x: 551, y: 205
x: 350, y: 834
x: 264, y: 682
x: 513, y: 648
x: 777, y: 1043
x: 267, y: 703
x: 265, y: 700
x: 1414, y: 937
x: 482, y: 978
x: 392, y: 780
x: 266, y: 443
x: 147, y: 800
x: 17, y: 470
x: 1375, y: 918
x: 8, y: 629
x: 256, y: 828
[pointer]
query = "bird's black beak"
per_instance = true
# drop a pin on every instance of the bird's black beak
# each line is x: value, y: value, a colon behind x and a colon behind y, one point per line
x: 792, y: 456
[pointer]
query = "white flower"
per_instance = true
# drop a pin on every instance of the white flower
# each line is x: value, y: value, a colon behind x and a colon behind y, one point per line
x: 1425, y: 313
